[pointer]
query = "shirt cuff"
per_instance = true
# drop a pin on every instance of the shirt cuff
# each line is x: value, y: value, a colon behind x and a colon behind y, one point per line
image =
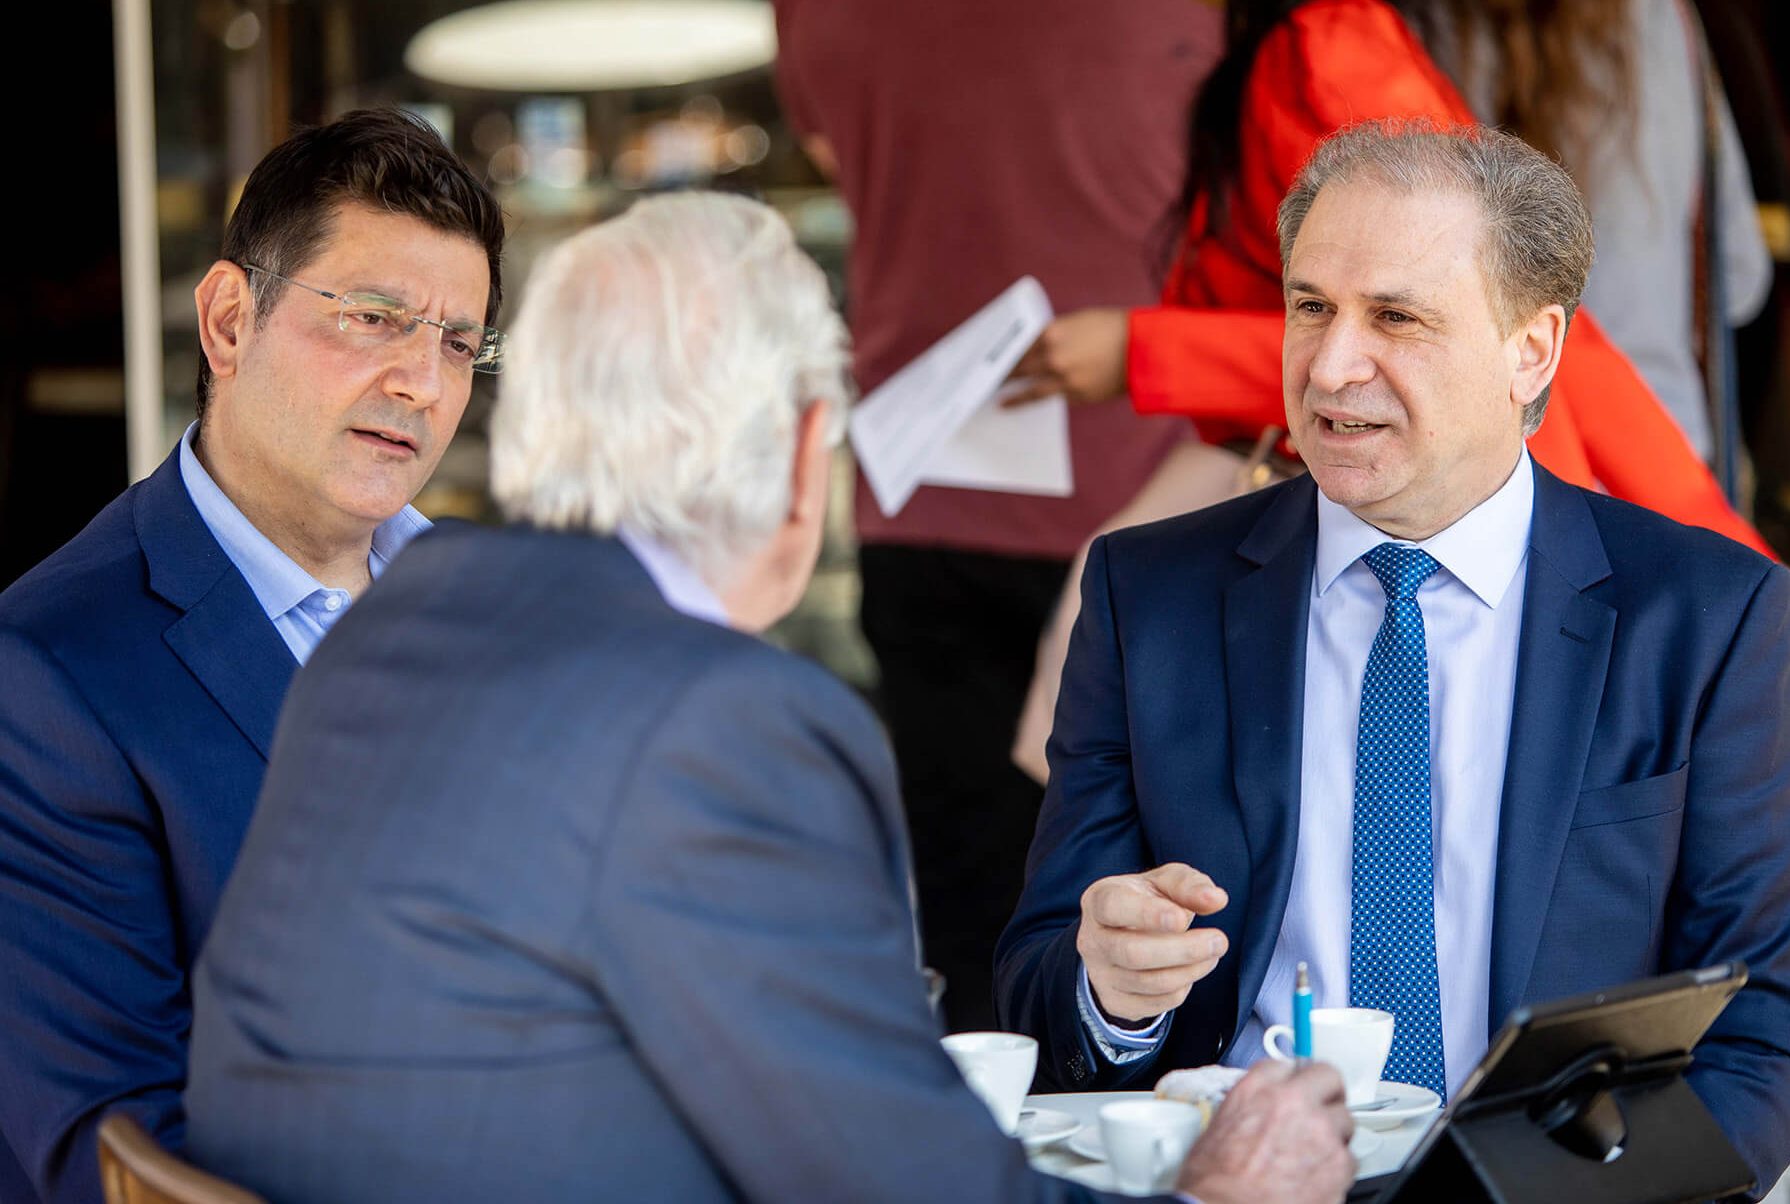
x: 1118, y: 1046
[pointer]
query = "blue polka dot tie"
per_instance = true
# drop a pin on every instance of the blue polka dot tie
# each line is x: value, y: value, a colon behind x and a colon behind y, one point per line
x: 1392, y: 937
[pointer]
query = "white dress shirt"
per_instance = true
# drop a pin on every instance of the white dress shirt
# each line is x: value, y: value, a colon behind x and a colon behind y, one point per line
x: 1472, y: 617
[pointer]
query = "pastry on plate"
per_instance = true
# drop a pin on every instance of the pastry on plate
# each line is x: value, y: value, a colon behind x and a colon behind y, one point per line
x: 1202, y: 1086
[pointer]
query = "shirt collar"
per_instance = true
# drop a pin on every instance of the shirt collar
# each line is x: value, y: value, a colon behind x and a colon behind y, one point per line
x: 1482, y: 549
x: 683, y: 590
x: 278, y: 582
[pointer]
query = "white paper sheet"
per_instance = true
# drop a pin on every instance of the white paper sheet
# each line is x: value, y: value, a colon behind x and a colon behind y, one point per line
x: 938, y: 420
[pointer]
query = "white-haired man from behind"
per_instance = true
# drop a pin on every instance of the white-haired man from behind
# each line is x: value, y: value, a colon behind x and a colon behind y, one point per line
x: 614, y: 897
x: 696, y: 418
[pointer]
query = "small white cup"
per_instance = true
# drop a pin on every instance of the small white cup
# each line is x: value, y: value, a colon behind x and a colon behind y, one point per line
x: 1146, y: 1139
x: 1354, y: 1040
x: 998, y: 1067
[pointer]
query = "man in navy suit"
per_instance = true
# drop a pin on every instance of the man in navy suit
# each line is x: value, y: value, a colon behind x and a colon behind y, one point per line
x: 563, y: 885
x: 1453, y: 733
x: 145, y: 662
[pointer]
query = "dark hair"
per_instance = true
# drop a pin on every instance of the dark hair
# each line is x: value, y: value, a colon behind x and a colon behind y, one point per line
x: 1538, y: 51
x: 1218, y: 110
x: 383, y: 158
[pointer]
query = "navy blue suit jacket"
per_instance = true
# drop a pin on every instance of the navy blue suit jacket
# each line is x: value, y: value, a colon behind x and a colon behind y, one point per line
x: 554, y: 893
x: 1645, y: 822
x: 142, y: 684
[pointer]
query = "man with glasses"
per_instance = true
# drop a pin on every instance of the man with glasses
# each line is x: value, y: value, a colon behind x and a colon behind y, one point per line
x: 145, y: 662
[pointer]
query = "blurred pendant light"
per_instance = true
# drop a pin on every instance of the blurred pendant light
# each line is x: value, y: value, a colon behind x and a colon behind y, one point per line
x: 594, y: 45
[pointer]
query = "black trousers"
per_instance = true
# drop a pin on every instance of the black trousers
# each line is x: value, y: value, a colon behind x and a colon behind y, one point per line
x: 956, y: 634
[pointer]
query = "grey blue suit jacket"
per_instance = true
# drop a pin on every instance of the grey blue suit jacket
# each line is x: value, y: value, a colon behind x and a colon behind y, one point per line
x: 1645, y: 823
x: 556, y: 894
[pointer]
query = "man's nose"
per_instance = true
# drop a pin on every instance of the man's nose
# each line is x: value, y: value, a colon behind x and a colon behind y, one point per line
x: 415, y: 375
x: 1342, y: 357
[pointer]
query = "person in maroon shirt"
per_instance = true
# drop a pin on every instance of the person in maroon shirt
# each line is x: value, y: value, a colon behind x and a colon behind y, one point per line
x: 977, y: 141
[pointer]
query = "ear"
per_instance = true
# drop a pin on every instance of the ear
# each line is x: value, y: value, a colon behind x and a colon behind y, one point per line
x: 226, y: 313
x: 811, y: 472
x: 1535, y: 349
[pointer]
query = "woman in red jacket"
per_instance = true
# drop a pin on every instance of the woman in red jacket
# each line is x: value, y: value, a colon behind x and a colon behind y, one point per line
x: 1296, y: 73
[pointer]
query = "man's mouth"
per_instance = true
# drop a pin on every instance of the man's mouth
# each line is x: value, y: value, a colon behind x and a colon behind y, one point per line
x: 1341, y: 426
x: 388, y: 438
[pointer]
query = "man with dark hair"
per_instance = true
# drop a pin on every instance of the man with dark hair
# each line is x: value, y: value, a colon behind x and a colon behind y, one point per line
x: 146, y: 661
x: 1451, y: 733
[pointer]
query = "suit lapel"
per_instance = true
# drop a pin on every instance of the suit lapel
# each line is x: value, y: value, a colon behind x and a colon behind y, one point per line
x: 1265, y: 613
x: 1563, y: 654
x: 223, y: 636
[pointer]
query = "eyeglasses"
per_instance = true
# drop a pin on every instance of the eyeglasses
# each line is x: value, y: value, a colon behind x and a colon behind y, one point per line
x: 377, y: 320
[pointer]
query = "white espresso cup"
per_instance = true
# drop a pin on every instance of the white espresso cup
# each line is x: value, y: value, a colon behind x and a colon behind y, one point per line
x: 1146, y: 1139
x: 1354, y: 1040
x: 998, y: 1067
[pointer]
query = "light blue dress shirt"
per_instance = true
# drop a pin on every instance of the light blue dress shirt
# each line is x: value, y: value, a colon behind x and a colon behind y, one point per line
x: 301, y: 608
x: 677, y: 582
x: 1472, y: 614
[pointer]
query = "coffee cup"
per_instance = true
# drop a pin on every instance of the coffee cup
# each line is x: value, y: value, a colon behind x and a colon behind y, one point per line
x: 998, y: 1067
x: 1145, y: 1141
x: 1354, y: 1040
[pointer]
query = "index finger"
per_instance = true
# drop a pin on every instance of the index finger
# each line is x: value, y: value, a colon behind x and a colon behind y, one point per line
x: 1188, y: 887
x: 1127, y: 903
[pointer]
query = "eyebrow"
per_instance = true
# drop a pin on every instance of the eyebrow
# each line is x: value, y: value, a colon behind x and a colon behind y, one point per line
x: 1399, y: 298
x: 381, y: 291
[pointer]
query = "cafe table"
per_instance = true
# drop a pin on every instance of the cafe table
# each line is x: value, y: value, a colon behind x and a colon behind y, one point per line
x: 1376, y: 1151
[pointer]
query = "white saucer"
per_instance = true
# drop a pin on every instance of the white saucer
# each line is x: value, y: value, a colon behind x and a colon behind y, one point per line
x: 1096, y: 1175
x: 1087, y: 1143
x: 1039, y: 1127
x: 1099, y: 1176
x: 1409, y: 1102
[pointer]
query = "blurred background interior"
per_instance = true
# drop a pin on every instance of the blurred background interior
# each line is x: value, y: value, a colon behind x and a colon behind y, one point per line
x: 572, y: 108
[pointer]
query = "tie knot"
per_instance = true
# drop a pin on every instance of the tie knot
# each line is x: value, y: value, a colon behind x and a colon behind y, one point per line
x: 1400, y: 569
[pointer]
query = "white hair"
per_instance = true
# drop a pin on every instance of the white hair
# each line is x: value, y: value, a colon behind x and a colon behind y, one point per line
x: 655, y: 375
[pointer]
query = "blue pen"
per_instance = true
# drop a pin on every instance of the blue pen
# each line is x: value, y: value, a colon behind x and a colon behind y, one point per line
x: 1302, y: 1015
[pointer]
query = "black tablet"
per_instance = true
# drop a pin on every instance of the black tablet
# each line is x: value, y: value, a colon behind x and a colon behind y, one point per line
x: 1583, y: 1098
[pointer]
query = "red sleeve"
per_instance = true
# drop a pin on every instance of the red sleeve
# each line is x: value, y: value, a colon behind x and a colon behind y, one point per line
x: 1220, y: 367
